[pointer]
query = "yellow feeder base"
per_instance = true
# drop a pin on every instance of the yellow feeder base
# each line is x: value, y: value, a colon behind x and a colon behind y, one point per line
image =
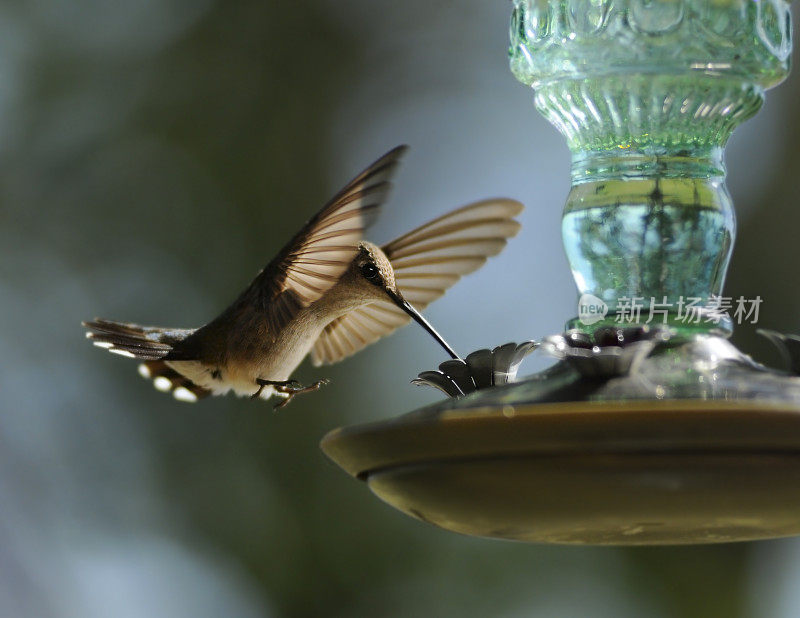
x: 621, y: 473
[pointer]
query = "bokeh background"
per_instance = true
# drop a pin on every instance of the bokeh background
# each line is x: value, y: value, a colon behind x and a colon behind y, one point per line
x: 153, y: 156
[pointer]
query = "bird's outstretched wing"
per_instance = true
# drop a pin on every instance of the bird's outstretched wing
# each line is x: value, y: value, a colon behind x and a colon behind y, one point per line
x: 426, y: 262
x: 319, y: 254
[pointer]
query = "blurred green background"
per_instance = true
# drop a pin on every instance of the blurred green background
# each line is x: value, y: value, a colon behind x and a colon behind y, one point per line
x: 153, y: 156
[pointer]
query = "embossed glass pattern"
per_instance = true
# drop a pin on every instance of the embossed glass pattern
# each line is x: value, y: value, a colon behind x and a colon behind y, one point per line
x: 647, y: 93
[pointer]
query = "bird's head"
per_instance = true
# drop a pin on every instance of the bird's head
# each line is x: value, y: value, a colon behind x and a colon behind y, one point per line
x: 371, y: 273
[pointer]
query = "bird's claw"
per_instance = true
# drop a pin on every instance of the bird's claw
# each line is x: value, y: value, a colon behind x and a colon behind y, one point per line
x: 287, y: 389
x: 289, y: 392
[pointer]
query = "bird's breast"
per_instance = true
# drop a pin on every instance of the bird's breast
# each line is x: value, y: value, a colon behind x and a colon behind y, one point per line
x: 256, y: 353
x: 275, y: 357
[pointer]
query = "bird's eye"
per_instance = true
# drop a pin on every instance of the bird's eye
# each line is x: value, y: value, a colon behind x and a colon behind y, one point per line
x: 370, y: 271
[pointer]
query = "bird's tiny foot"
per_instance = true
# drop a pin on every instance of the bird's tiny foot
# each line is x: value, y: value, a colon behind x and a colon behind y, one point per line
x: 288, y: 391
x: 276, y: 383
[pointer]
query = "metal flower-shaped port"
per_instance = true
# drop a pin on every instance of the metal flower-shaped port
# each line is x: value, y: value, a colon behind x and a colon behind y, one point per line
x: 609, y: 352
x: 788, y: 346
x: 482, y: 369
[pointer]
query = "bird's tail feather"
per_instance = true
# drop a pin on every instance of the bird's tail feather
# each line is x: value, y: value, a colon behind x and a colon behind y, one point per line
x: 133, y: 340
x: 151, y: 344
x: 169, y: 380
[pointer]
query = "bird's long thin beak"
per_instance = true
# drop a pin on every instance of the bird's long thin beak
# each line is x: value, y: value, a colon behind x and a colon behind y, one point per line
x: 409, y: 309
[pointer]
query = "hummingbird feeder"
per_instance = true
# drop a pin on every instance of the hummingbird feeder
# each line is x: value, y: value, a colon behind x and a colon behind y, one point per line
x: 656, y: 433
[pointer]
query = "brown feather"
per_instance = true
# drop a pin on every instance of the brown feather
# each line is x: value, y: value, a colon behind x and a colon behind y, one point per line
x: 426, y: 262
x: 312, y: 262
x: 160, y: 369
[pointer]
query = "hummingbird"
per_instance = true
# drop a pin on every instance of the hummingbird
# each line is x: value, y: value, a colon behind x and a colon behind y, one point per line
x: 328, y: 292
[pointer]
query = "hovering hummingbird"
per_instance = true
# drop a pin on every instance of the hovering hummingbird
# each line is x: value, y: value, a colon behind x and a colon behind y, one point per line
x: 328, y: 292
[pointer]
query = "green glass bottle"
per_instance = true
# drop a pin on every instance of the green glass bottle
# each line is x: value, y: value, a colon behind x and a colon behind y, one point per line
x: 647, y: 93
